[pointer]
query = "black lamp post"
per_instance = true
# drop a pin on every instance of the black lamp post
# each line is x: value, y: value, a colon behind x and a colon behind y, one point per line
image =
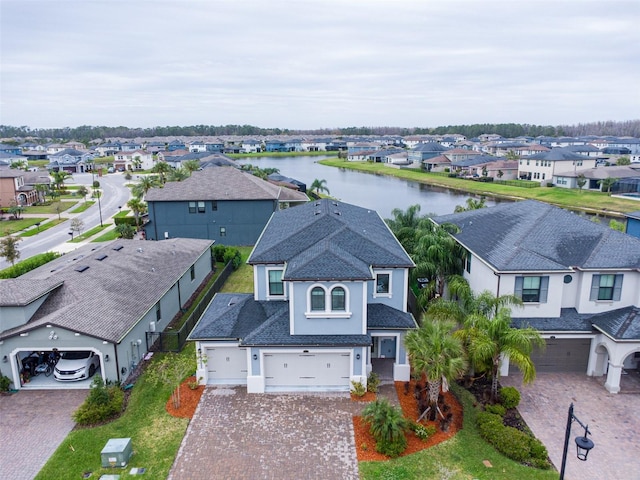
x: 99, y: 205
x: 583, y: 444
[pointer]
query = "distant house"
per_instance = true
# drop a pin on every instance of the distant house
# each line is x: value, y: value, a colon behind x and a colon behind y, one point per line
x: 329, y: 306
x: 176, y: 145
x: 579, y: 283
x: 276, y: 145
x: 219, y: 203
x: 425, y: 151
x: 10, y: 149
x: 498, y: 169
x: 625, y: 175
x: 72, y: 161
x: 133, y: 160
x: 13, y: 190
x: 543, y: 166
x: 251, y: 145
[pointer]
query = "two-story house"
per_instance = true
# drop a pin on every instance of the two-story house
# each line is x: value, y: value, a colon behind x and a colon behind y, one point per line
x: 133, y: 160
x: 579, y: 282
x: 543, y: 166
x: 330, y: 301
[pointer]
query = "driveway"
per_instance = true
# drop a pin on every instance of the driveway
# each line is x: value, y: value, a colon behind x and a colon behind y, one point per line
x: 32, y: 426
x: 267, y: 436
x: 614, y: 421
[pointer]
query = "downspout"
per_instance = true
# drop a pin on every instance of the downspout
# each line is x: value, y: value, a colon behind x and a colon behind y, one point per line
x: 155, y: 221
x: 498, y: 289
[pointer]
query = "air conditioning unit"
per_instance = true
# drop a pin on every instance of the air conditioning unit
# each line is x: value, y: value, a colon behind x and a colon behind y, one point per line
x: 152, y: 326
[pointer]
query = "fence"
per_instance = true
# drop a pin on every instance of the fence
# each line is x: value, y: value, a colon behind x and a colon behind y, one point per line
x: 173, y: 341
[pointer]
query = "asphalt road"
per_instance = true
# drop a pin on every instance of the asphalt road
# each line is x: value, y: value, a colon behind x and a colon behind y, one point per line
x: 114, y: 194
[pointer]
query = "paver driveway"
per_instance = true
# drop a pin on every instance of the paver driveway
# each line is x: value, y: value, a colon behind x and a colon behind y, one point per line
x: 267, y: 436
x: 614, y: 421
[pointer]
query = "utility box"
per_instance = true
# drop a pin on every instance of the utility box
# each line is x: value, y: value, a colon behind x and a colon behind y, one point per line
x: 116, y: 453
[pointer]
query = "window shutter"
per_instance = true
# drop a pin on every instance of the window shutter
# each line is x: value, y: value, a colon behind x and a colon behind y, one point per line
x: 544, y: 287
x: 617, y: 287
x: 518, y: 289
x: 595, y: 287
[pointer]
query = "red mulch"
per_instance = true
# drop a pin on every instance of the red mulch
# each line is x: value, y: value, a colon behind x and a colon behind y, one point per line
x: 366, y: 445
x: 367, y: 397
x: 188, y: 400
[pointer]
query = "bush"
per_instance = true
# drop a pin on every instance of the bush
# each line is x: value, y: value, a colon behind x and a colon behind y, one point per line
x: 4, y: 383
x: 28, y: 265
x: 497, y: 409
x: 392, y: 449
x: 233, y: 255
x: 124, y: 221
x: 509, y: 397
x: 103, y: 403
x: 421, y: 431
x: 357, y: 389
x: 373, y: 382
x: 388, y: 426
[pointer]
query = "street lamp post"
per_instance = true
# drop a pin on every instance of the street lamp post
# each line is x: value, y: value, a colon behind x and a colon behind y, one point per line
x: 99, y: 205
x: 583, y: 444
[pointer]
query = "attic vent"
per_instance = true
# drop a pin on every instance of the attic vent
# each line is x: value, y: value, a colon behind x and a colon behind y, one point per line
x: 117, y: 248
x: 336, y: 212
x: 81, y: 268
x: 335, y: 204
x: 78, y: 257
x: 317, y: 204
x: 317, y: 212
x: 139, y: 250
x: 233, y: 301
x: 101, y: 257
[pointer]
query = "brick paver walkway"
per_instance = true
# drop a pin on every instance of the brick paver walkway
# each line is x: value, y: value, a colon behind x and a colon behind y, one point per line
x: 32, y: 426
x: 614, y: 421
x: 267, y: 436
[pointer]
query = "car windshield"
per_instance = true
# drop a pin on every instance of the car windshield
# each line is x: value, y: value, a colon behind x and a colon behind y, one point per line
x: 75, y: 355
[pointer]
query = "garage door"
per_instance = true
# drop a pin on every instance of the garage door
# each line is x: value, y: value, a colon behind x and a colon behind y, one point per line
x: 562, y: 355
x: 227, y: 365
x: 307, y: 371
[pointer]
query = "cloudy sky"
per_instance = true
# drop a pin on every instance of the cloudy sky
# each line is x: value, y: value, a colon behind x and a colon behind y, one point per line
x: 305, y: 64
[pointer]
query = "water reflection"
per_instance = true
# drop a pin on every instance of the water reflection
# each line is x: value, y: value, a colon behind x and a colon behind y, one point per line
x: 377, y: 192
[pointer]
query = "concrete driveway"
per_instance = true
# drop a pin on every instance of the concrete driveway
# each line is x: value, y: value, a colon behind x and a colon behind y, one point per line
x: 32, y: 426
x: 614, y: 421
x: 266, y: 436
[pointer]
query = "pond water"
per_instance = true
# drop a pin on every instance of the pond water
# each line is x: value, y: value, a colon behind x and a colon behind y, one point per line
x: 377, y: 192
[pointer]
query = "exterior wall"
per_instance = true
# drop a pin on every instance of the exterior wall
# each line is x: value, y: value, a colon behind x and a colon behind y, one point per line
x: 261, y: 282
x: 550, y: 308
x: 8, y: 191
x: 397, y: 299
x: 481, y: 277
x: 336, y: 323
x: 633, y: 227
x: 243, y: 221
x: 630, y: 294
x: 11, y: 317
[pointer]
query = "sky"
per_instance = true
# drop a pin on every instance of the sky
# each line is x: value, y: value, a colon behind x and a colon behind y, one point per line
x: 311, y: 64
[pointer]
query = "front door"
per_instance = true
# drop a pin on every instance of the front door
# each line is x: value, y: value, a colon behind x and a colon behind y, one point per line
x: 387, y: 348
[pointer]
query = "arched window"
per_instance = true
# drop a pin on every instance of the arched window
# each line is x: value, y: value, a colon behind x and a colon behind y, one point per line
x: 317, y: 299
x: 338, y: 299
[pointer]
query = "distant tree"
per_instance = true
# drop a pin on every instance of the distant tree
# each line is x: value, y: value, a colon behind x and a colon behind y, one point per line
x: 58, y: 207
x: 77, y: 225
x: 146, y: 183
x: 581, y: 181
x: 138, y: 207
x: 178, y: 175
x: 161, y: 168
x: 191, y: 165
x: 500, y: 173
x: 607, y: 183
x: 319, y: 186
x: 124, y: 230
x: 15, y: 209
x: 472, y: 204
x: 623, y: 161
x: 42, y: 190
x: 59, y: 178
x: 137, y: 162
x: 83, y: 192
x: 511, y: 155
x: 9, y: 248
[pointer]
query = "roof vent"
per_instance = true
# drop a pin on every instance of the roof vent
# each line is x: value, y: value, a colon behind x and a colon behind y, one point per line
x: 139, y: 250
x: 81, y: 268
x: 317, y: 212
x: 233, y: 301
x: 335, y: 204
x: 101, y: 257
x: 117, y: 248
x: 336, y: 212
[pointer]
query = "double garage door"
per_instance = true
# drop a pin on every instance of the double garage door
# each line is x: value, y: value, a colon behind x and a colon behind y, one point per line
x: 307, y: 371
x: 561, y: 355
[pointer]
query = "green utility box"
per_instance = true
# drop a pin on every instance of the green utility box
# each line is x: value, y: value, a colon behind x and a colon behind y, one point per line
x: 116, y: 453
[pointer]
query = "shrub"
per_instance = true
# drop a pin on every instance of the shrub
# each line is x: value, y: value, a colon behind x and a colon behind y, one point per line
x: 357, y: 389
x: 124, y: 221
x: 509, y: 397
x: 388, y: 426
x: 28, y: 265
x: 373, y: 382
x: 421, y: 431
x: 4, y: 383
x: 225, y: 254
x: 497, y: 409
x: 103, y: 403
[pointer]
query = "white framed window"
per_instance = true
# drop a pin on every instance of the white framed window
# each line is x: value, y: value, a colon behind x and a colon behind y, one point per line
x: 328, y: 302
x: 606, y: 287
x: 382, y: 284
x: 532, y: 289
x: 275, y: 285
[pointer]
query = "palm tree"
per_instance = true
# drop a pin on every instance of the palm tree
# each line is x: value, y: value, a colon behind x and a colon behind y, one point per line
x: 178, y: 175
x: 146, y: 183
x: 42, y: 190
x: 161, y: 168
x: 607, y: 183
x: 434, y: 352
x: 406, y: 226
x: 191, y: 165
x: 138, y: 207
x: 59, y: 177
x: 472, y: 204
x: 318, y: 186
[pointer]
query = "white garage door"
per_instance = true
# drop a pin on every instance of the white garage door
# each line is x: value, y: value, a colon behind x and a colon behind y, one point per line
x: 307, y: 371
x: 227, y: 365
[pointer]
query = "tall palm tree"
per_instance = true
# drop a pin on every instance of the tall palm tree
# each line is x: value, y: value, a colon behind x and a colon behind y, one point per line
x: 138, y: 207
x: 471, y: 204
x: 146, y: 183
x: 433, y: 351
x: 406, y: 226
x: 319, y: 186
x: 191, y: 165
x: 161, y: 168
x: 59, y: 177
x: 178, y: 175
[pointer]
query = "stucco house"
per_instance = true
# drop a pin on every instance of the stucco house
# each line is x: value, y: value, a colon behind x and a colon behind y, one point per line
x: 219, y: 203
x: 69, y: 160
x: 133, y: 160
x: 579, y: 281
x: 543, y: 166
x: 330, y: 300
x: 100, y: 298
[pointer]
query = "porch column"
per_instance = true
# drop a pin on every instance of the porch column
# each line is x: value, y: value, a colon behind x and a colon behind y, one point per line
x: 613, y: 378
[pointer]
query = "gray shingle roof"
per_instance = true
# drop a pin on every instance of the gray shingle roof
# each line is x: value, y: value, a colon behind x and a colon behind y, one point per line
x: 18, y: 292
x: 535, y: 236
x: 107, y: 299
x: 221, y: 183
x: 558, y: 154
x: 621, y: 324
x: 382, y: 317
x: 568, y: 321
x: 328, y: 240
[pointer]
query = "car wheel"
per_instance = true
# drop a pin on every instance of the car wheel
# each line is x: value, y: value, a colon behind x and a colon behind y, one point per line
x: 92, y: 370
x: 48, y: 371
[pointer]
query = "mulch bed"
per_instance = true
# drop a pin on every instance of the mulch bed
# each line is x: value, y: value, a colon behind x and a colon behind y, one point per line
x: 189, y: 399
x: 366, y: 444
x: 367, y: 397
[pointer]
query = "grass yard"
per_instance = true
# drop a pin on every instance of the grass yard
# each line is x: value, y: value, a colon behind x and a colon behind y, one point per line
x: 240, y: 281
x: 9, y: 227
x: 90, y: 233
x: 84, y: 206
x: 596, y: 202
x: 50, y: 209
x: 122, y: 213
x: 44, y: 226
x: 460, y: 458
x: 107, y: 236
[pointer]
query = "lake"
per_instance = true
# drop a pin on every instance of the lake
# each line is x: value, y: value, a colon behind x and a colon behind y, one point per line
x: 377, y: 192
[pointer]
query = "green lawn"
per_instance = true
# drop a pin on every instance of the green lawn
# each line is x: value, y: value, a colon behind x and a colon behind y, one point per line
x: 240, y: 281
x: 44, y: 226
x: 122, y: 213
x: 83, y: 207
x: 50, y: 209
x: 90, y: 233
x: 9, y: 227
x: 563, y: 197
x: 460, y: 458
x: 107, y: 236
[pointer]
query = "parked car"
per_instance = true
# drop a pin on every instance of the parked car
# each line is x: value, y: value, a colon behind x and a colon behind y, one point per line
x: 76, y: 365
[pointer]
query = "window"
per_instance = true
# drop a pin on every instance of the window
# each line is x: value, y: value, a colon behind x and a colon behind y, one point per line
x: 193, y: 272
x: 200, y: 207
x: 223, y: 231
x: 383, y: 283
x: 338, y: 299
x: 317, y: 299
x: 192, y: 207
x: 606, y: 287
x: 214, y: 206
x: 467, y: 262
x: 276, y: 287
x: 158, y: 312
x: 532, y: 289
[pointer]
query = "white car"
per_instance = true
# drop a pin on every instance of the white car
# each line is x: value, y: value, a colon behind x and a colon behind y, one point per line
x: 76, y: 365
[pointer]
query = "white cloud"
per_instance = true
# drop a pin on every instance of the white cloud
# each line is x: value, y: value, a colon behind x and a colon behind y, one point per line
x: 313, y: 63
